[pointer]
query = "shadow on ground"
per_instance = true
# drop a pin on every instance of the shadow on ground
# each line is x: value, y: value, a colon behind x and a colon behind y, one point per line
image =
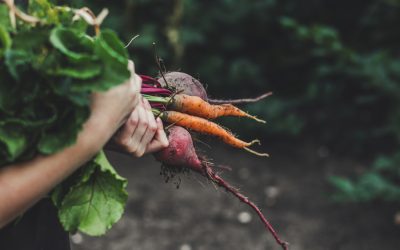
x: 290, y: 188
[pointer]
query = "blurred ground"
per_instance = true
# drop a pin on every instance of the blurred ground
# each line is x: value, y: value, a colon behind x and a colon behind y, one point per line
x: 290, y: 188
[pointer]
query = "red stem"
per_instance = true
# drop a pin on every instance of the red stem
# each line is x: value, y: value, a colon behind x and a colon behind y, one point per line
x: 149, y: 79
x: 221, y: 182
x: 155, y: 91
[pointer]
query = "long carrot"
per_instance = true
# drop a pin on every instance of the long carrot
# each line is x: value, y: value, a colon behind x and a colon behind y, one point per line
x: 196, y: 106
x: 204, y: 126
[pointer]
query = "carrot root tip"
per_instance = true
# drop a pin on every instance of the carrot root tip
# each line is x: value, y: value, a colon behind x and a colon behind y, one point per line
x: 256, y: 153
x: 257, y: 119
x: 257, y: 141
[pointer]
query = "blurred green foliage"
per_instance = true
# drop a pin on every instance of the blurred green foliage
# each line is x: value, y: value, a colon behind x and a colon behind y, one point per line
x: 333, y: 66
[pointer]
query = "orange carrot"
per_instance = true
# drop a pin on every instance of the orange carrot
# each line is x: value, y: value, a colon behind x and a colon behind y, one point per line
x: 204, y: 126
x: 196, y: 106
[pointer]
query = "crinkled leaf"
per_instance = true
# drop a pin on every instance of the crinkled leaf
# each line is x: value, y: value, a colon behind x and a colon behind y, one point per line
x: 74, y: 45
x: 7, y: 90
x: 32, y: 41
x: 84, y: 70
x: 62, y: 87
x: 13, y: 141
x: 18, y: 62
x: 65, y: 131
x: 95, y: 203
x: 114, y: 58
x: 38, y: 115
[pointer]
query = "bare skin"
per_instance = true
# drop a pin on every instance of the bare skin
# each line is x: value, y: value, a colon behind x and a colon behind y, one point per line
x: 120, y: 108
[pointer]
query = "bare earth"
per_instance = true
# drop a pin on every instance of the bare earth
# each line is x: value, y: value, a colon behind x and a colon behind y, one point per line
x: 290, y: 188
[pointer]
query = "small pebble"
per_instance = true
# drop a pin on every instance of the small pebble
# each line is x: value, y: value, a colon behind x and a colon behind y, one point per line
x: 397, y: 218
x: 185, y: 247
x: 77, y: 238
x: 244, y: 217
x: 272, y: 192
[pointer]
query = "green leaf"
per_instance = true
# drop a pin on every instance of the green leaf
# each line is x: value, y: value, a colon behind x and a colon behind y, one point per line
x: 85, y: 70
x: 5, y: 17
x: 64, y: 132
x: 7, y: 90
x: 346, y: 189
x: 5, y: 40
x: 114, y: 58
x: 18, y: 62
x: 97, y: 201
x: 13, y: 140
x: 37, y: 115
x: 76, y: 46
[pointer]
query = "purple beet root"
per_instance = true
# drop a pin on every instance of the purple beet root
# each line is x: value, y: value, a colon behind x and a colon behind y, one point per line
x: 180, y: 152
x: 184, y: 84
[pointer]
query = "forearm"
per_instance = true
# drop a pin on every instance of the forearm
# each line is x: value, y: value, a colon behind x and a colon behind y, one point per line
x: 23, y: 184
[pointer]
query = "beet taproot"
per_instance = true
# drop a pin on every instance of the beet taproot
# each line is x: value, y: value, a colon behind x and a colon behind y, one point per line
x: 184, y: 84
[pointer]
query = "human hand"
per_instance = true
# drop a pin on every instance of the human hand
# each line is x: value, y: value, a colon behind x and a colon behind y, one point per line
x: 110, y: 109
x: 142, y: 133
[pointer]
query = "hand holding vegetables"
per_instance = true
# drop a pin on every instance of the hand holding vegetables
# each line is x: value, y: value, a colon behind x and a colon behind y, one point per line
x: 112, y: 108
x: 141, y: 133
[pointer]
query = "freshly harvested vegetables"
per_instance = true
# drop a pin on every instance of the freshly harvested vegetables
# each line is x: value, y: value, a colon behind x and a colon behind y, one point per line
x: 183, y: 112
x: 65, y: 63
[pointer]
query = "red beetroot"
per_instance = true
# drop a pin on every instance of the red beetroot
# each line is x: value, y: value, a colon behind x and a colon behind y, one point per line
x: 184, y: 84
x: 181, y: 154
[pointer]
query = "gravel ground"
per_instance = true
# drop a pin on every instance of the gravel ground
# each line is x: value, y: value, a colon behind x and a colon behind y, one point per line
x: 290, y: 188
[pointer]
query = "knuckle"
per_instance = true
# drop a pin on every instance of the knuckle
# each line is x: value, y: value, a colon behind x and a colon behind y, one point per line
x: 124, y: 142
x: 153, y: 128
x: 132, y: 150
x: 138, y: 153
x: 133, y: 121
x: 165, y: 143
x: 143, y: 123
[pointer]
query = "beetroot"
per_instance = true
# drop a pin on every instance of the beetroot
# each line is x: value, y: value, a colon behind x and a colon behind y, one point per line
x: 184, y: 84
x: 180, y: 152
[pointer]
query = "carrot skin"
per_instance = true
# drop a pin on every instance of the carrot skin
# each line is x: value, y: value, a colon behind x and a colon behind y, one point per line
x: 203, y: 126
x: 196, y: 106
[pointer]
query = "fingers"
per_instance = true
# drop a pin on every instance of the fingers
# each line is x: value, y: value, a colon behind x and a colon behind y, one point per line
x: 139, y: 130
x: 142, y: 133
x: 124, y: 136
x: 151, y: 129
x: 160, y: 140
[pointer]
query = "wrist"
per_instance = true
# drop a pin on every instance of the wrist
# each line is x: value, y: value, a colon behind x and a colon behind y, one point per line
x: 96, y: 132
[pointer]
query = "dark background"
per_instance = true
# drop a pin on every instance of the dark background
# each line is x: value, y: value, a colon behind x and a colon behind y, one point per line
x: 333, y: 122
